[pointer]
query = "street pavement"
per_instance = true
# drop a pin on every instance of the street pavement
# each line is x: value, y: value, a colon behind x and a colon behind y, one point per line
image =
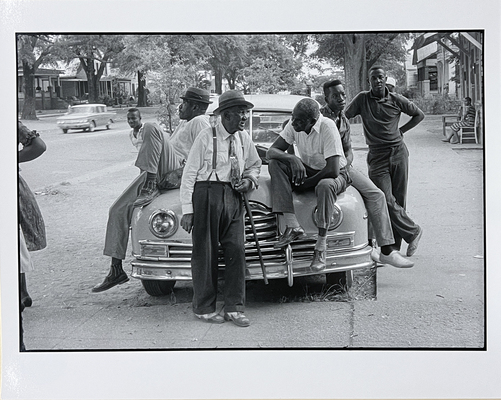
x: 438, y: 304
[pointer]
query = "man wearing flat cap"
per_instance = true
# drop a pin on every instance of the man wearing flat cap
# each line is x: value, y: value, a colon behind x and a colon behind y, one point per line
x: 159, y: 157
x: 223, y: 163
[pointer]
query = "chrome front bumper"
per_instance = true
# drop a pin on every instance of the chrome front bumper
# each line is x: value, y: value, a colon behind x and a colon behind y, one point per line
x: 171, y: 261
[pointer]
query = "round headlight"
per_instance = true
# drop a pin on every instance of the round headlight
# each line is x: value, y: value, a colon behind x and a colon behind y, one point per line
x: 163, y: 223
x: 335, y: 220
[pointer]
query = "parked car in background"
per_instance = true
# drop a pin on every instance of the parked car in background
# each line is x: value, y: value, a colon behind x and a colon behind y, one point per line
x: 86, y: 117
x: 162, y: 249
x: 73, y: 100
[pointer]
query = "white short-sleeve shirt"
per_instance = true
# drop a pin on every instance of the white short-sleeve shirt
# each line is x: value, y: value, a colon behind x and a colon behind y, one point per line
x: 322, y: 142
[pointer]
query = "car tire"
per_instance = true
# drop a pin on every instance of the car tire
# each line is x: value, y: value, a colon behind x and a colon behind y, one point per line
x: 341, y: 281
x: 65, y: 130
x: 158, y: 288
x: 92, y: 126
x: 109, y: 123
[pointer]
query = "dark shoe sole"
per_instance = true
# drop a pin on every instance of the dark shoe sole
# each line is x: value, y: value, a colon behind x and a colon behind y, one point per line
x: 109, y: 285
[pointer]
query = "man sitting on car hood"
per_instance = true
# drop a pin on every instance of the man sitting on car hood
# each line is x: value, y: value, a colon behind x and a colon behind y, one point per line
x: 320, y: 167
x: 158, y: 156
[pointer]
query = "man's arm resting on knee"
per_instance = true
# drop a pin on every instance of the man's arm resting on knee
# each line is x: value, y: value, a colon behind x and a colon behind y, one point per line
x: 331, y: 170
x: 277, y: 151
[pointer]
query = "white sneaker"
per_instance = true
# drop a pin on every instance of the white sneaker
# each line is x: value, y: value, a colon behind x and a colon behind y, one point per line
x: 396, y: 259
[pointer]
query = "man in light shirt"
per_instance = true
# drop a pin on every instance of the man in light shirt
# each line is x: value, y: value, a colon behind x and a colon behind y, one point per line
x: 223, y: 163
x: 158, y: 157
x: 320, y: 167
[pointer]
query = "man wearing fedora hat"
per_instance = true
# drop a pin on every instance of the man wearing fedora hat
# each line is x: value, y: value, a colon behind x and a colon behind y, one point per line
x: 158, y: 157
x: 223, y: 163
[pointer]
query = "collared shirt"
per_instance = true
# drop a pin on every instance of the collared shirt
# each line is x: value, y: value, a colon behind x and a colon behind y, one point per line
x: 137, y: 140
x: 342, y: 124
x: 183, y: 137
x: 199, y: 164
x: 380, y: 116
x: 315, y: 148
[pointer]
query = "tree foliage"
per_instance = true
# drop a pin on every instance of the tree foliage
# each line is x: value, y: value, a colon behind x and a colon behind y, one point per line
x: 94, y: 52
x: 170, y: 63
x: 268, y: 63
x: 273, y: 67
x: 358, y: 52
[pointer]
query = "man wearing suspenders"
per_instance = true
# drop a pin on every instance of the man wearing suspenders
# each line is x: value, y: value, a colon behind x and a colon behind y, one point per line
x: 222, y: 165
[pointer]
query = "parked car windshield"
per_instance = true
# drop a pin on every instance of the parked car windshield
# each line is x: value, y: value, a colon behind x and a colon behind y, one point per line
x: 267, y: 125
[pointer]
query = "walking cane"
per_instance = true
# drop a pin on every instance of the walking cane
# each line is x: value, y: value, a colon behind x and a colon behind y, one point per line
x: 251, y: 219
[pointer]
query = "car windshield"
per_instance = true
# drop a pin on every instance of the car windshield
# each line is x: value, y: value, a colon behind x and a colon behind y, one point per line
x: 81, y: 110
x: 266, y: 125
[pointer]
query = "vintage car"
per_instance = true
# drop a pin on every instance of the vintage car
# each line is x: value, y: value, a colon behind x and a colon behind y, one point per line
x: 86, y: 117
x: 161, y: 249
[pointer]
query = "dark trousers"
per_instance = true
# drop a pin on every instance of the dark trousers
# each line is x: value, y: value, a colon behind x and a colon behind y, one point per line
x: 217, y: 219
x: 388, y: 169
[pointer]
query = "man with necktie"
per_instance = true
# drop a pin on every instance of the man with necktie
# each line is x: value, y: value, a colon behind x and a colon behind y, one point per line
x: 222, y: 165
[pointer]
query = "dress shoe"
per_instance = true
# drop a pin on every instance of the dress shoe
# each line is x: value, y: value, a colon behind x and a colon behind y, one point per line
x: 26, y: 301
x: 318, y: 262
x: 395, y: 259
x: 289, y: 236
x: 147, y: 194
x: 212, y: 318
x: 110, y: 281
x: 413, y: 245
x: 238, y: 318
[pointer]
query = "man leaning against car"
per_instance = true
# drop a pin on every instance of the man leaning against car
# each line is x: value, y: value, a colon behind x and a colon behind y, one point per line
x: 320, y: 167
x: 388, y: 157
x: 222, y: 165
x: 158, y: 157
x: 374, y: 198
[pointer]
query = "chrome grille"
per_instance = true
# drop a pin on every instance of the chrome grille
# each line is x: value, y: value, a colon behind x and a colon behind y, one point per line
x: 265, y: 223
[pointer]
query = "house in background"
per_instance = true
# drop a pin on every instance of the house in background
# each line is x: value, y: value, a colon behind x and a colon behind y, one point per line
x: 437, y: 75
x: 435, y: 66
x: 117, y: 89
x: 47, y: 88
x: 66, y: 85
x: 432, y: 53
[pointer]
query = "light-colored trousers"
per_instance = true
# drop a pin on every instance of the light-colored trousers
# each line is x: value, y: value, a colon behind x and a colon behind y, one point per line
x: 377, y: 209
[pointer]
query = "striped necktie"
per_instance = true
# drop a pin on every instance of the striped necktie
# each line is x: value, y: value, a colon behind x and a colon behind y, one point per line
x: 235, y: 168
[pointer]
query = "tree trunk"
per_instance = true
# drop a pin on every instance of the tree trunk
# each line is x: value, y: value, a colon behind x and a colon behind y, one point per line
x: 93, y: 78
x: 29, y: 111
x: 218, y: 80
x: 355, y: 67
x: 142, y: 101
